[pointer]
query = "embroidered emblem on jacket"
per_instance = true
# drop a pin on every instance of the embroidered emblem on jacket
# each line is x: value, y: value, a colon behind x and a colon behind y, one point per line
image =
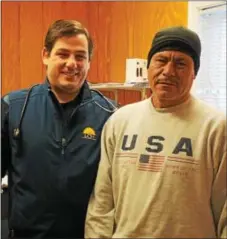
x: 89, y: 133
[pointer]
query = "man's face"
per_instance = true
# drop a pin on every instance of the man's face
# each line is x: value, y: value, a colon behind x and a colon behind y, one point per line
x: 67, y: 64
x: 171, y: 74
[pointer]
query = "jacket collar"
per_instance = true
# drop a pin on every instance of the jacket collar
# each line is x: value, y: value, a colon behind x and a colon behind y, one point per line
x: 84, y: 94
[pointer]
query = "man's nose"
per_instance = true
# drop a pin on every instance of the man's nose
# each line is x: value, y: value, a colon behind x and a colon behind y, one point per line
x: 71, y: 62
x: 169, y: 69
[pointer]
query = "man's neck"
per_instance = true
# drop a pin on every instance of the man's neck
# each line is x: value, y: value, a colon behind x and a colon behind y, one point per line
x: 165, y: 103
x: 64, y: 97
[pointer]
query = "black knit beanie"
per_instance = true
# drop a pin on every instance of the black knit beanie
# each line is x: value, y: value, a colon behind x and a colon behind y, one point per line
x: 177, y: 38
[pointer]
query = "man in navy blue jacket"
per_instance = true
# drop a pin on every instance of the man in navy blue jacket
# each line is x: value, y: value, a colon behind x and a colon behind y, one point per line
x: 51, y: 140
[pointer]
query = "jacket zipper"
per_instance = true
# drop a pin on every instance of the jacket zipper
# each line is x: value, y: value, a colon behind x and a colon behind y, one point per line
x: 63, y: 145
x: 63, y: 139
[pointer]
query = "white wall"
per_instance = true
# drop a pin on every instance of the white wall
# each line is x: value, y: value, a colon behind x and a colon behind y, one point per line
x: 194, y: 8
x: 193, y: 11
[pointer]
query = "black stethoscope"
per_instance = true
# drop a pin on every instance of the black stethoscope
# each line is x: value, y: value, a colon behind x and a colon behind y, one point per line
x: 17, y: 130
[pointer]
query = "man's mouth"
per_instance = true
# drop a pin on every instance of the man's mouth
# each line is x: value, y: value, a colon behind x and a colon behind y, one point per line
x: 71, y: 74
x: 166, y: 83
x: 162, y: 82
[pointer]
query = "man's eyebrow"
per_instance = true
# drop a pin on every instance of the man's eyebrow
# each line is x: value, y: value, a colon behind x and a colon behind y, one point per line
x: 161, y: 55
x: 81, y: 51
x: 175, y: 58
x: 179, y: 58
x: 62, y: 49
x: 66, y: 50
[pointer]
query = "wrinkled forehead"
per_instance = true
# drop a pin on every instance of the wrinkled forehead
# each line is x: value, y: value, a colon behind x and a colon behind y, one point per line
x: 172, y: 54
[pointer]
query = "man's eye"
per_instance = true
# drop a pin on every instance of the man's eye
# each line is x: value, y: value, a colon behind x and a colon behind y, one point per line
x: 80, y: 57
x: 62, y: 55
x: 161, y: 60
x: 180, y: 64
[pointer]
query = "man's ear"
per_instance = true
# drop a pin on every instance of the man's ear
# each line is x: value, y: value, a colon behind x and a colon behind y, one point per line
x: 193, y: 75
x: 89, y: 64
x: 45, y: 56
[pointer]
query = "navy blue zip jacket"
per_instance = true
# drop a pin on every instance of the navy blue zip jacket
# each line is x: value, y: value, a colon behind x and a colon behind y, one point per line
x: 51, y: 160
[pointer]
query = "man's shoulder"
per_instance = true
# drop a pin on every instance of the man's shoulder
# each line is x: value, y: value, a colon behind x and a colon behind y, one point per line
x: 131, y: 111
x: 21, y: 94
x: 104, y: 102
x: 14, y: 95
x: 211, y: 117
x: 133, y: 108
x: 209, y: 111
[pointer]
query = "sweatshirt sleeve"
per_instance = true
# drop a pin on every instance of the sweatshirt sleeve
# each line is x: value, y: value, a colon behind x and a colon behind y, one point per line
x: 219, y: 195
x: 100, y: 213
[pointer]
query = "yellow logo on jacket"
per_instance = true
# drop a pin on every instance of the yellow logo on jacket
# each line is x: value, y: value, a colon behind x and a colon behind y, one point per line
x: 89, y: 133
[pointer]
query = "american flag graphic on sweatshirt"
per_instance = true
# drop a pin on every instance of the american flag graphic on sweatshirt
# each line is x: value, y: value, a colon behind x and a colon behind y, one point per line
x: 152, y: 163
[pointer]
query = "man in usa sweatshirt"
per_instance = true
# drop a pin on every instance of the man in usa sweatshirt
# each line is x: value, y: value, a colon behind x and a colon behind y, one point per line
x: 162, y: 172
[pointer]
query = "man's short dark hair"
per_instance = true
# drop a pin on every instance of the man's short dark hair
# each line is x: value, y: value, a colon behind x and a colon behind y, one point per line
x: 66, y: 28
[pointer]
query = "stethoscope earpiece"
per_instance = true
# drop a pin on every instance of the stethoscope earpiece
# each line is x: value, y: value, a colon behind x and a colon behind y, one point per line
x: 16, y: 133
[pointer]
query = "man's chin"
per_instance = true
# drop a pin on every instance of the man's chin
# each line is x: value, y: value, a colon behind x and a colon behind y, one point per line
x: 71, y: 88
x: 166, y: 95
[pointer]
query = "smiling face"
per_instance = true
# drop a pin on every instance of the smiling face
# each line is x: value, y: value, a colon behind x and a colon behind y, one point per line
x: 67, y: 66
x: 170, y: 74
